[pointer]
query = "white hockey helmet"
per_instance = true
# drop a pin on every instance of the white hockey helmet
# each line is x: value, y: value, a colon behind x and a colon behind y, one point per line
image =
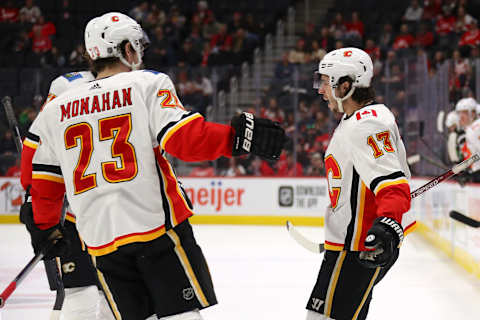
x: 466, y: 104
x: 104, y: 34
x: 452, y: 119
x: 477, y: 108
x: 345, y: 62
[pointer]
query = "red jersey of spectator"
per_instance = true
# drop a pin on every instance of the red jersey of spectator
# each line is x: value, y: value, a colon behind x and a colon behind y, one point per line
x: 8, y: 14
x: 432, y: 9
x: 286, y: 168
x: 424, y: 39
x: 470, y: 38
x: 445, y: 25
x: 40, y: 35
x: 355, y: 26
x: 13, y: 171
x: 222, y: 40
x: 373, y: 52
x: 403, y: 41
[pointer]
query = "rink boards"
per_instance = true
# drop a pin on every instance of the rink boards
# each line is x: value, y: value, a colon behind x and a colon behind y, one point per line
x: 223, y: 200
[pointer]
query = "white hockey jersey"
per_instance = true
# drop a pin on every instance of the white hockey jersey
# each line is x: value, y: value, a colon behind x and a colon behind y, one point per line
x: 367, y: 175
x: 104, y: 142
x: 472, y: 136
x: 66, y: 82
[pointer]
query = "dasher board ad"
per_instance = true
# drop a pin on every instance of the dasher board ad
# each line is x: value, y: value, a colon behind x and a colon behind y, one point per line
x: 257, y: 196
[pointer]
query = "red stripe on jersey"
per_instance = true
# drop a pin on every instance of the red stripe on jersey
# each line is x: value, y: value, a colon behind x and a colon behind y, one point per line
x: 199, y: 140
x: 393, y: 201
x: 367, y: 212
x: 26, y: 166
x: 47, y: 201
x: 178, y: 206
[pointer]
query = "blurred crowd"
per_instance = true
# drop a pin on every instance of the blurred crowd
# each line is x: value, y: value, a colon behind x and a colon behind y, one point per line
x: 193, y: 36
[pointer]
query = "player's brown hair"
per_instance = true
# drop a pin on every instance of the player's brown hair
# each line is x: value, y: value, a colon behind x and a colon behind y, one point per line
x: 362, y: 96
x: 99, y: 65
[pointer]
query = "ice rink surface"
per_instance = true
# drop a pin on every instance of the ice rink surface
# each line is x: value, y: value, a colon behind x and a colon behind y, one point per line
x: 261, y: 273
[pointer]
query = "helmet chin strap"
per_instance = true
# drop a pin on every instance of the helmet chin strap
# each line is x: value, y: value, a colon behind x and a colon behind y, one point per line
x: 133, y: 66
x: 340, y: 100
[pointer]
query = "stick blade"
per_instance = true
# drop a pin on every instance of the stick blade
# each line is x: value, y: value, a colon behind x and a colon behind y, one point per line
x: 303, y: 241
x: 455, y: 215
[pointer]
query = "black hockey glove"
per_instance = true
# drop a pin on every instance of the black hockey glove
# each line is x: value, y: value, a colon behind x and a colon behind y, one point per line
x: 383, y: 238
x: 42, y: 238
x: 261, y: 137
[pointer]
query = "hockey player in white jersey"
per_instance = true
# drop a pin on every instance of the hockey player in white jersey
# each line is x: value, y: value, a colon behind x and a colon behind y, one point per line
x: 467, y: 107
x: 79, y: 276
x: 104, y: 144
x: 367, y: 176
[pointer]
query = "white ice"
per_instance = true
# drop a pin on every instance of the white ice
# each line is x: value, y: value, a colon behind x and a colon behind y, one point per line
x: 260, y: 273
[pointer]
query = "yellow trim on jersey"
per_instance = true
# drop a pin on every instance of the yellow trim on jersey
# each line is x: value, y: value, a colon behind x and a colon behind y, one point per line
x: 177, y: 187
x: 109, y: 296
x: 188, y: 268
x: 367, y: 292
x: 359, y: 218
x: 70, y: 218
x: 48, y: 177
x: 126, y: 239
x: 333, y: 283
x: 174, y: 129
x: 30, y: 144
x: 333, y: 247
x: 389, y: 183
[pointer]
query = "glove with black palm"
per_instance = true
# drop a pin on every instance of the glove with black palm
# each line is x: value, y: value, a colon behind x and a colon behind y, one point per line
x: 384, y: 239
x: 261, y: 137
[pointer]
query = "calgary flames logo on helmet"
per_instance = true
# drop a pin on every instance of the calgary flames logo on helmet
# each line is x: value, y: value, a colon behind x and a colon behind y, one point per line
x: 347, y: 53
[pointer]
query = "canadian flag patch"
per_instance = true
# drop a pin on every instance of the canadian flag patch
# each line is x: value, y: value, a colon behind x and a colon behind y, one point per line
x: 366, y: 113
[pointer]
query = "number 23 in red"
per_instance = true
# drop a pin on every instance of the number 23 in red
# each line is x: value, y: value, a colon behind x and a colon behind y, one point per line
x: 117, y: 128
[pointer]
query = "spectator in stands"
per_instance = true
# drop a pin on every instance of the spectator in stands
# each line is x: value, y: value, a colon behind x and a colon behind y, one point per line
x: 9, y: 13
x: 15, y: 170
x: 354, y: 28
x: 289, y: 167
x: 317, y: 53
x: 254, y: 28
x: 386, y: 37
x: 140, y: 12
x: 203, y: 13
x: 240, y: 46
x: 423, y: 38
x: 236, y: 22
x: 7, y: 144
x: 41, y: 35
x: 316, y: 168
x: 309, y: 35
x: 221, y: 45
x: 372, y: 49
x: 431, y: 9
x: 273, y: 111
x: 444, y: 28
x: 235, y: 169
x: 186, y: 90
x: 297, y: 54
x: 403, y: 41
x: 337, y: 28
x: 203, y: 91
x: 188, y: 57
x: 76, y: 58
x: 54, y: 58
x: 438, y: 59
x: 159, y: 53
x: 155, y: 17
x: 414, y: 12
x: 259, y: 167
x: 461, y: 65
x: 204, y: 169
x: 464, y: 21
x: 325, y: 41
x: 210, y: 28
x: 30, y: 13
x: 206, y: 51
x: 471, y: 38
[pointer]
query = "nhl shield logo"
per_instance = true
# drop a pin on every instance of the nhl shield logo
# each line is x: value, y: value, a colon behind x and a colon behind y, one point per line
x: 188, y: 293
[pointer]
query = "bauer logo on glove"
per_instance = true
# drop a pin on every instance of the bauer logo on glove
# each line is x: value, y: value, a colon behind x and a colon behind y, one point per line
x: 261, y: 137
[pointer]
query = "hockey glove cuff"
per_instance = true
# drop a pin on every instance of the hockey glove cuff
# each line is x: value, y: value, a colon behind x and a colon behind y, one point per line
x: 42, y: 238
x: 384, y: 239
x: 261, y: 137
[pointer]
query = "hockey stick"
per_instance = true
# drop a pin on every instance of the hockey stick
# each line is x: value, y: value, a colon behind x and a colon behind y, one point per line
x: 320, y: 247
x: 27, y: 269
x: 52, y: 269
x: 464, y: 219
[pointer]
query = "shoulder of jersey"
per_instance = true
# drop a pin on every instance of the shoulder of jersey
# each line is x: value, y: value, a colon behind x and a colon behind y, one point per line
x: 150, y: 75
x: 377, y: 113
x: 80, y: 76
